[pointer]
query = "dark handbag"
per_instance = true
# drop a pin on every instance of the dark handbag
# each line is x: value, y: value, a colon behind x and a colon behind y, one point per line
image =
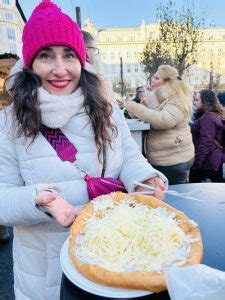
x: 96, y: 186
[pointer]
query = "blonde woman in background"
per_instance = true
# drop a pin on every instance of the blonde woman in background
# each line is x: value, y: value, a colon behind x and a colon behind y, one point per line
x: 168, y: 109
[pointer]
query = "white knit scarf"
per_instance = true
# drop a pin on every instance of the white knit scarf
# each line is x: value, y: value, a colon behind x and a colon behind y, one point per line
x: 56, y: 111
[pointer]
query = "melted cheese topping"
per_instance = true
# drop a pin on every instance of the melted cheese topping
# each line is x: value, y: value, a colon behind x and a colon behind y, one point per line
x: 129, y: 236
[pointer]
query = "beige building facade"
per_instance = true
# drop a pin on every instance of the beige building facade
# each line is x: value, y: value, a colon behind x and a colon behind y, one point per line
x: 128, y: 43
x: 12, y: 21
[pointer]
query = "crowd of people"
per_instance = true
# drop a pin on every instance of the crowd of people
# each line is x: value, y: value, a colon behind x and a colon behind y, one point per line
x: 187, y: 130
x: 57, y: 94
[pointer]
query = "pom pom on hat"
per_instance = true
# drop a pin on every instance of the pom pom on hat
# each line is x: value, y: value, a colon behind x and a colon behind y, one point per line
x: 44, y: 4
x: 49, y: 26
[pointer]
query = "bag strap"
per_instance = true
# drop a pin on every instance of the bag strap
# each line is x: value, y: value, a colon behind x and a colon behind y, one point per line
x: 64, y: 148
x: 103, y: 160
x: 57, y: 139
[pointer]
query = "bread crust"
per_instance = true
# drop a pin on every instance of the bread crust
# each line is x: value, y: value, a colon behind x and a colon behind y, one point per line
x: 150, y: 281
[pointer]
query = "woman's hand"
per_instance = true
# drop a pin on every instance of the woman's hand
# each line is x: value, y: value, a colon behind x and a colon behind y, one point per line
x: 58, y: 207
x: 157, y: 183
x: 130, y: 106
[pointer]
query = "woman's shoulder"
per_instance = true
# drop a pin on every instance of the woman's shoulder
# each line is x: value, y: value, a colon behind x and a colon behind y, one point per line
x: 210, y: 115
x: 174, y: 99
x: 172, y: 104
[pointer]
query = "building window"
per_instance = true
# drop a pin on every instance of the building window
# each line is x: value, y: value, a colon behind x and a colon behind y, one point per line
x: 128, y: 68
x: 11, y: 34
x: 6, y: 2
x: 112, y: 55
x: 128, y: 80
x: 128, y: 54
x: 120, y: 54
x: 113, y: 69
x: 12, y: 48
x: 136, y: 68
x: 103, y: 55
x: 8, y: 16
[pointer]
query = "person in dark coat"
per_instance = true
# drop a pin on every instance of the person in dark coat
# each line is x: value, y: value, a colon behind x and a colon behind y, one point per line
x: 207, y: 131
x: 140, y: 94
x: 221, y: 97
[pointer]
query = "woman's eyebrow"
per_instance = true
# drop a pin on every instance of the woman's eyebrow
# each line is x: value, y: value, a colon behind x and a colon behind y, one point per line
x: 68, y: 50
x: 47, y: 49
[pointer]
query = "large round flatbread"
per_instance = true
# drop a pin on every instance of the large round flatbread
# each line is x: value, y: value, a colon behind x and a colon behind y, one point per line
x: 152, y: 281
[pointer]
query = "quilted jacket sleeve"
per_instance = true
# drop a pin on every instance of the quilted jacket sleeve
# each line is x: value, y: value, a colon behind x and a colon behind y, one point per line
x: 134, y: 167
x: 17, y: 202
x: 167, y: 118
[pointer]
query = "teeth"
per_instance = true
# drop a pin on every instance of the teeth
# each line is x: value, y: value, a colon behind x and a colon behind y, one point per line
x: 59, y: 83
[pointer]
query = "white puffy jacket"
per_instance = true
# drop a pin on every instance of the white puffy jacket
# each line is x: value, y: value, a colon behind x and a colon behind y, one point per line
x: 37, y: 237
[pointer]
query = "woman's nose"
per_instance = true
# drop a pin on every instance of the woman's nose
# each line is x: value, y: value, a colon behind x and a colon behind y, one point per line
x: 59, y: 69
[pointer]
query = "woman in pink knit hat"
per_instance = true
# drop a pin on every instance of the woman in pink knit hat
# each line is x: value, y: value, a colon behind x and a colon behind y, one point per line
x: 58, y: 112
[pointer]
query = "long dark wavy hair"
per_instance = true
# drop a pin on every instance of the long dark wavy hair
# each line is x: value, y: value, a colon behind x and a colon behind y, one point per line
x: 26, y: 110
x: 210, y: 103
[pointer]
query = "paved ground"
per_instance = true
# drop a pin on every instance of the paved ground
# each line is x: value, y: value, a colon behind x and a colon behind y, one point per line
x: 6, y: 275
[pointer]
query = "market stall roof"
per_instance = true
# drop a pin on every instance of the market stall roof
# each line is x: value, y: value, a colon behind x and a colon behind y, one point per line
x: 7, y: 61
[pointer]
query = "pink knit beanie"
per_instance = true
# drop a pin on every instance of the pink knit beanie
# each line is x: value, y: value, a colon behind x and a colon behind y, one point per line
x: 48, y: 26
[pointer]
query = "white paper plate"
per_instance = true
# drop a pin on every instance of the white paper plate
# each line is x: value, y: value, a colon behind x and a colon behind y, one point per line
x: 82, y: 282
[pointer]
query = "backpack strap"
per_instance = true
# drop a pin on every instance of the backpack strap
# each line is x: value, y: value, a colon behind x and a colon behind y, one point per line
x: 63, y: 147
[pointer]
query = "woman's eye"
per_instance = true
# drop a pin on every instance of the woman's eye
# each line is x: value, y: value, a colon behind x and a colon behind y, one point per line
x: 44, y: 56
x: 70, y: 55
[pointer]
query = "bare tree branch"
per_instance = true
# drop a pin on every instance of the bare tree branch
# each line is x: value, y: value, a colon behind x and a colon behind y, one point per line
x: 180, y: 33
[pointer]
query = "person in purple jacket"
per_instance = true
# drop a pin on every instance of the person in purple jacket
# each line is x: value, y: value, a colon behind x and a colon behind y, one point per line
x: 207, y: 131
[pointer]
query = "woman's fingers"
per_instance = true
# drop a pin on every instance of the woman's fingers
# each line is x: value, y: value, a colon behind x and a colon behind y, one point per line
x: 69, y: 218
x: 156, y: 182
x: 160, y: 183
x: 159, y: 194
x: 129, y: 105
x: 62, y: 211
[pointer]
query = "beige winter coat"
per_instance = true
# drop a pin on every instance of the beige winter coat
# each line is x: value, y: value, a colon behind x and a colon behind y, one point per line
x: 169, y: 140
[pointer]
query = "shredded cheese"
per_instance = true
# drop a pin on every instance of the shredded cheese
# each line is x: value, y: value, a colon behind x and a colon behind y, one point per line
x: 129, y: 236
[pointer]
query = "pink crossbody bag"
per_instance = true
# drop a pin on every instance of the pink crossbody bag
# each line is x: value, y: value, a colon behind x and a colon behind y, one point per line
x: 66, y: 151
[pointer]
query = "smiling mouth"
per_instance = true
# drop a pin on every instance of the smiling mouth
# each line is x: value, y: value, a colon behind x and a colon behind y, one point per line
x: 59, y: 84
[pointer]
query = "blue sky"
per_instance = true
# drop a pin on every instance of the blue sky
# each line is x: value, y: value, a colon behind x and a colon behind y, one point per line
x: 127, y: 13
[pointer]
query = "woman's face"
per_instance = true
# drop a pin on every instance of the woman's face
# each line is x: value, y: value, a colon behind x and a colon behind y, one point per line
x: 198, y: 101
x: 157, y: 81
x: 59, y: 69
